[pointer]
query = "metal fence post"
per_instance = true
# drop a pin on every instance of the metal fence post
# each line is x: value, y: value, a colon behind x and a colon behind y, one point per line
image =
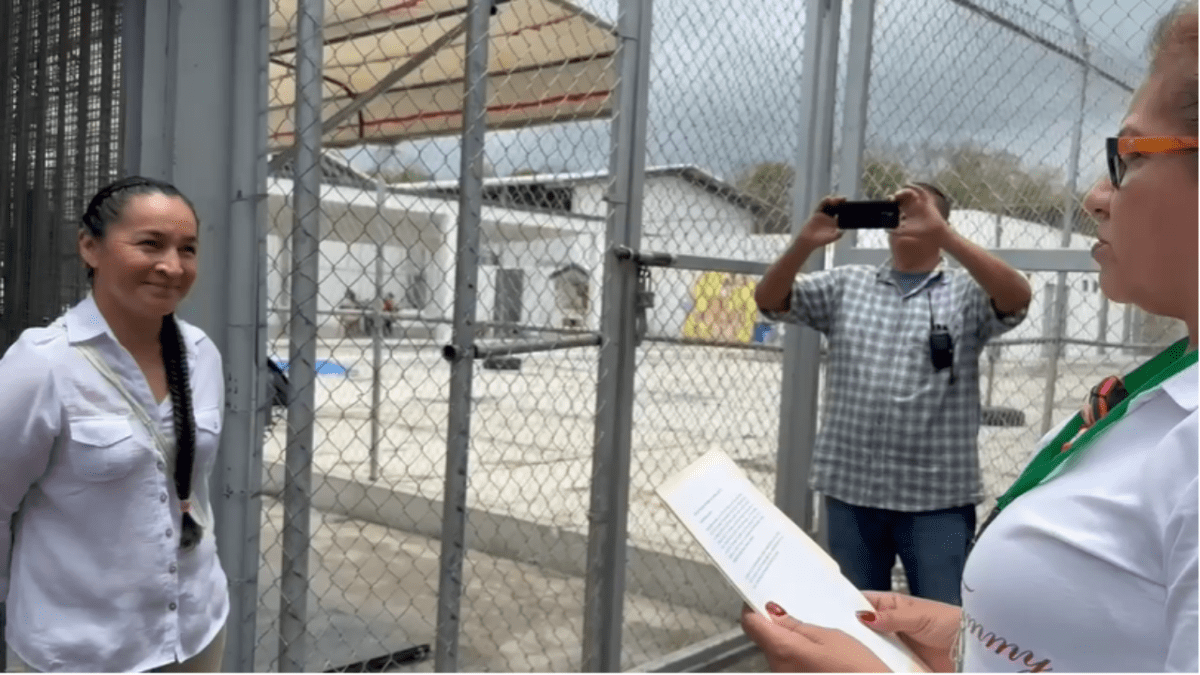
x: 1058, y: 329
x: 238, y: 514
x: 182, y: 100
x: 466, y: 274
x: 854, y: 110
x: 802, y: 345
x: 302, y: 342
x: 604, y: 591
x: 377, y: 330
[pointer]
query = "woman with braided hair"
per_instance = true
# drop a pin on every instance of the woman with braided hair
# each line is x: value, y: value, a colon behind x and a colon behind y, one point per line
x: 110, y: 419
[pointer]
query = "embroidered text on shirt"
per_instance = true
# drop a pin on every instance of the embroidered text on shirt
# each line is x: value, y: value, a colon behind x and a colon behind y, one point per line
x: 998, y: 644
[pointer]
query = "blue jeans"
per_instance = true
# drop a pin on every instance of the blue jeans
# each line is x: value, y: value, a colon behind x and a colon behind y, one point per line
x: 932, y: 545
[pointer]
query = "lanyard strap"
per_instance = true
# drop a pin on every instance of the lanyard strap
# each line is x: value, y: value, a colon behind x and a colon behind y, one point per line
x: 1166, y: 364
x: 183, y: 485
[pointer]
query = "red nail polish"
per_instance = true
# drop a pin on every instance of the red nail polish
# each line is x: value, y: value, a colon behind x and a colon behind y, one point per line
x: 866, y: 617
x: 775, y: 609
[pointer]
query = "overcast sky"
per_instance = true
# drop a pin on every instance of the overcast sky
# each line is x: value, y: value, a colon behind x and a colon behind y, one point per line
x: 725, y: 86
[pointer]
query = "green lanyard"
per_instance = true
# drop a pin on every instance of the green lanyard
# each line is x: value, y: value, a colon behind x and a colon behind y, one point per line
x: 1169, y: 362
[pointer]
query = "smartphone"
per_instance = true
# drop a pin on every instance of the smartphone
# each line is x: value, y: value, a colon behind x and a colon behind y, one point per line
x: 865, y: 215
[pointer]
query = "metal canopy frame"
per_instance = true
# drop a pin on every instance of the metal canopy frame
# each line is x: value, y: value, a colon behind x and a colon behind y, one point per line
x: 531, y: 82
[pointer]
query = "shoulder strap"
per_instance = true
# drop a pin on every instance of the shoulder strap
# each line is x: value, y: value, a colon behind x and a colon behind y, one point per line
x: 89, y: 352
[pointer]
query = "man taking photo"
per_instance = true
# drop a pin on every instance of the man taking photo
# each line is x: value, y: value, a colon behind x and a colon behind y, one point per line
x: 897, y: 455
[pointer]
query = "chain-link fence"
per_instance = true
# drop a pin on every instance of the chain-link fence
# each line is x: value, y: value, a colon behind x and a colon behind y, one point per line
x: 1004, y: 105
x: 511, y: 254
x: 398, y: 223
x: 722, y: 125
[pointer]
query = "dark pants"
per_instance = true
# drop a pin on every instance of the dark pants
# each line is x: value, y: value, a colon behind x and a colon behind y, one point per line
x: 932, y: 545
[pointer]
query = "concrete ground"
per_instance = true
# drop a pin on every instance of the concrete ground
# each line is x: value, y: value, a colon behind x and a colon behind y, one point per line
x: 531, y: 438
x: 374, y: 553
x: 374, y: 592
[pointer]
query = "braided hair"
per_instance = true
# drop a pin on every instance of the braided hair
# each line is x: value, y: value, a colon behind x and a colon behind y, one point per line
x: 105, y: 209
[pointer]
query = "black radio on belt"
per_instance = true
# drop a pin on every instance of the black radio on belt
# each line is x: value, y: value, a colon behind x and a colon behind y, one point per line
x: 941, y: 344
x: 941, y: 347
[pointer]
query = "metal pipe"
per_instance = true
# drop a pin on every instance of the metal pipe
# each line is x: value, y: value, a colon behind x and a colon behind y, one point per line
x: 693, y: 342
x: 1028, y: 259
x: 360, y: 101
x: 1059, y: 321
x: 1061, y: 51
x: 1102, y: 329
x: 1073, y: 341
x: 604, y: 586
x: 802, y: 345
x: 237, y: 507
x: 399, y: 315
x: 306, y: 212
x: 854, y: 109
x: 466, y: 274
x: 454, y: 353
x: 689, y: 262
x: 377, y: 335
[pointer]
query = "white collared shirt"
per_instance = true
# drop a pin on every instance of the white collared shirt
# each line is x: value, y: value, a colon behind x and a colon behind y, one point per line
x: 1096, y: 569
x: 90, y: 565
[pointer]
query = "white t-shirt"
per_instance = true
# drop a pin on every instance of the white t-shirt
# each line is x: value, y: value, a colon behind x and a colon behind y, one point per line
x: 1095, y: 570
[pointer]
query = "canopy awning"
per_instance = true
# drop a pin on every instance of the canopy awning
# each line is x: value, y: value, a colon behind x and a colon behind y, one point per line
x: 548, y: 61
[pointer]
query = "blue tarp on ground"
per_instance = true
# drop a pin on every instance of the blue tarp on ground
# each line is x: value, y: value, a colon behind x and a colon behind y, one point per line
x: 323, y: 367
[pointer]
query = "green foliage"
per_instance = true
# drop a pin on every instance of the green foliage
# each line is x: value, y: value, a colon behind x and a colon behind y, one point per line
x: 771, y: 183
x: 881, y: 178
x: 995, y: 181
x: 971, y: 177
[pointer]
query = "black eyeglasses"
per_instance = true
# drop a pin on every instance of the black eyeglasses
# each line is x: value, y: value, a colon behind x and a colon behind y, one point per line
x: 1144, y: 145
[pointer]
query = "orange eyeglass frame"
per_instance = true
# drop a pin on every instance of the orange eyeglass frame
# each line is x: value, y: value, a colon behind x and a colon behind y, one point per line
x: 1119, y: 146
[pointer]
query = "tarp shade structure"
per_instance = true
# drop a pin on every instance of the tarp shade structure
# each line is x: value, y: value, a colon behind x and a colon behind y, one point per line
x: 549, y: 61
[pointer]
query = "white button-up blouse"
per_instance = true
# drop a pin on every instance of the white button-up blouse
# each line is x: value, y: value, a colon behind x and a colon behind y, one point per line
x: 90, y: 566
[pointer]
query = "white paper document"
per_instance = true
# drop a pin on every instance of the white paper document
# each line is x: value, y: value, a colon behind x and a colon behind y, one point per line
x: 767, y: 557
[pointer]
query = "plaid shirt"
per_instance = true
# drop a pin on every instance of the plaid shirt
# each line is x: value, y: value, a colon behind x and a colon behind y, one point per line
x: 896, y: 434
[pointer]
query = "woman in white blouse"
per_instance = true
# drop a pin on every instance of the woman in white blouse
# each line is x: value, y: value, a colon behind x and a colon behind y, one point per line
x: 110, y: 419
x: 1091, y: 561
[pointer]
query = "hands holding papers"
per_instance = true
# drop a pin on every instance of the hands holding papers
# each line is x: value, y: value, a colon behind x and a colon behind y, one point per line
x: 926, y: 627
x: 768, y: 559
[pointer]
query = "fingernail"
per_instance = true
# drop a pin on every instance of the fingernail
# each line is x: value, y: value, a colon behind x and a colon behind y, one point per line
x: 866, y: 617
x: 775, y: 609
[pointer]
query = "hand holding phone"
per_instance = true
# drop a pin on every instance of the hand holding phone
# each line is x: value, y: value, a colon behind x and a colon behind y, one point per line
x: 884, y: 214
